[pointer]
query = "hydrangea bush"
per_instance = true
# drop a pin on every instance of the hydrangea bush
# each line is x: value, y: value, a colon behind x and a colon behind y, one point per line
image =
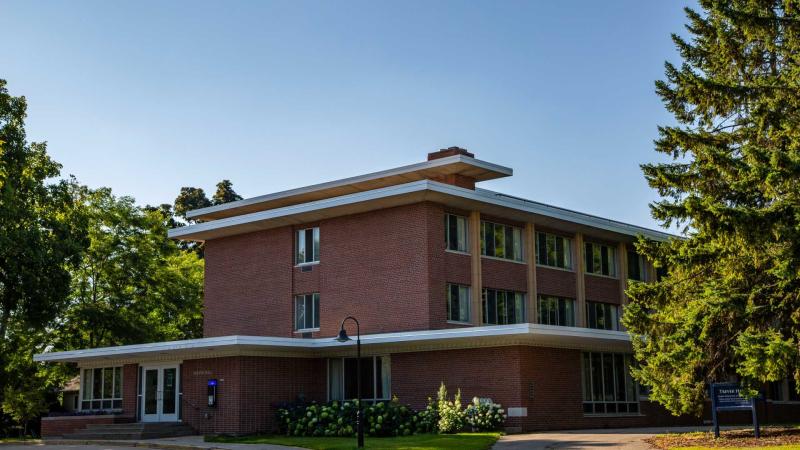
x: 389, y: 418
x: 484, y: 415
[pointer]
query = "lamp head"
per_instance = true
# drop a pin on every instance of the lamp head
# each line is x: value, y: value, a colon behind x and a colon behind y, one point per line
x: 343, y: 337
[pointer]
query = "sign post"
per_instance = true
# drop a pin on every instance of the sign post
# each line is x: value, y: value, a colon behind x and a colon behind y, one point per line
x: 728, y: 397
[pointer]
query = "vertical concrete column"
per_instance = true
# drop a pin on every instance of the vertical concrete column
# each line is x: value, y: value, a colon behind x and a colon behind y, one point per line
x: 580, y: 282
x: 623, y: 272
x: 476, y: 289
x: 530, y: 254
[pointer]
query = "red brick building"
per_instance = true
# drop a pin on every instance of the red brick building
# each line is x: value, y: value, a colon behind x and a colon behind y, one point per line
x: 502, y: 297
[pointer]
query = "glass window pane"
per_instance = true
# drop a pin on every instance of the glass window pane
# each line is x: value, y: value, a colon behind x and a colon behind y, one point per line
x: 150, y: 391
x: 559, y: 243
x: 518, y: 244
x: 108, y: 382
x: 499, y: 241
x: 301, y: 246
x: 316, y: 244
x: 509, y: 242
x: 300, y: 312
x: 567, y: 253
x: 335, y: 379
x: 551, y: 250
x: 619, y: 373
x: 588, y: 257
x: 612, y: 261
x: 587, y: 378
x: 118, y: 382
x: 86, y: 384
x: 316, y: 310
x: 570, y: 311
x: 597, y: 377
x: 484, y: 249
x: 462, y: 234
x: 97, y: 386
x: 309, y: 245
x: 386, y: 371
x: 604, y: 258
x: 608, y: 377
x: 541, y: 249
x: 463, y: 304
x: 170, y: 387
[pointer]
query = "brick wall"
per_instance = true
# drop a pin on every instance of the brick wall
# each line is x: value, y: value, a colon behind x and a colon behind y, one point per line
x: 60, y: 426
x: 555, y: 282
x: 248, y: 284
x: 504, y: 275
x: 602, y: 289
x: 130, y: 377
x: 248, y: 390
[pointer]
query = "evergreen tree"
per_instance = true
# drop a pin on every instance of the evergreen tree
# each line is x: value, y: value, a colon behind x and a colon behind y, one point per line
x: 729, y: 304
x: 225, y: 193
x: 190, y: 198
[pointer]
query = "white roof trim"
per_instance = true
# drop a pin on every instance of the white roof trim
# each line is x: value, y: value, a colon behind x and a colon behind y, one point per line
x: 225, y: 342
x: 505, y: 171
x: 480, y: 195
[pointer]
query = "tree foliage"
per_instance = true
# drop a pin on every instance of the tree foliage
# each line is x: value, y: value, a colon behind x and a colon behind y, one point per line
x: 41, y: 238
x: 729, y: 306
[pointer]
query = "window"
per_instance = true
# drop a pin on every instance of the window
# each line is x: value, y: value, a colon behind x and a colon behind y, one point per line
x: 306, y: 312
x: 602, y: 316
x: 375, y: 378
x: 458, y: 303
x: 600, y: 259
x: 501, y: 241
x: 503, y: 307
x: 553, y: 251
x: 784, y: 390
x: 636, y: 267
x: 101, y: 388
x: 307, y: 250
x: 455, y: 232
x: 607, y: 384
x: 556, y: 311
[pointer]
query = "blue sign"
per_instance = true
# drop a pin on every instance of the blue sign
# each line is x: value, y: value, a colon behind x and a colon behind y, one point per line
x: 212, y: 382
x: 728, y: 397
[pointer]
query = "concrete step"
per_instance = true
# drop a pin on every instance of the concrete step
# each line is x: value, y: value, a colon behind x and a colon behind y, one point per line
x: 131, y: 431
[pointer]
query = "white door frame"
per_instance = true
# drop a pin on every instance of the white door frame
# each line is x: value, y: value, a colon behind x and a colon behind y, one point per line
x: 160, y: 415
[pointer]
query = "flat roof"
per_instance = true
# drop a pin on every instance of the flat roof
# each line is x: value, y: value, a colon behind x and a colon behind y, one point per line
x: 486, y: 201
x: 467, y: 337
x: 456, y: 164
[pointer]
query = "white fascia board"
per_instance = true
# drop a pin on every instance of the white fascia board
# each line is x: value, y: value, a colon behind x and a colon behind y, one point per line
x: 232, y: 342
x: 542, y: 209
x: 505, y: 171
x: 479, y: 195
x: 358, y: 197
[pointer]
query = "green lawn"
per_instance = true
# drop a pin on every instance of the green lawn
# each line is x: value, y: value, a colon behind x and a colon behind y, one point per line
x: 462, y: 441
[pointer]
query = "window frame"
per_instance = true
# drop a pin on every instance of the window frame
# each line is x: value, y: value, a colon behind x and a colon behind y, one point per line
x: 786, y: 392
x: 612, y: 261
x: 315, y: 315
x: 641, y: 262
x: 509, y: 297
x: 463, y: 221
x: 515, y: 232
x: 607, y: 308
x: 87, y: 387
x: 558, y: 299
x: 468, y: 299
x: 630, y: 386
x: 543, y: 253
x: 375, y: 361
x: 300, y: 235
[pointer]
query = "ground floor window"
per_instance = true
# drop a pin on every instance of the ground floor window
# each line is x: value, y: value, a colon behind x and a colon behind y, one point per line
x: 101, y: 388
x: 503, y: 307
x: 608, y: 387
x: 375, y: 378
x: 784, y: 390
x: 556, y: 311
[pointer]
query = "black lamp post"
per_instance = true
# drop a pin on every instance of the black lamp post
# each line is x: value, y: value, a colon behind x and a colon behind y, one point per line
x: 343, y: 337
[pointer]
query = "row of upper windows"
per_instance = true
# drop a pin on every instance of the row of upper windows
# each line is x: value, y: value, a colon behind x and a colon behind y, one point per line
x: 505, y: 241
x: 501, y: 307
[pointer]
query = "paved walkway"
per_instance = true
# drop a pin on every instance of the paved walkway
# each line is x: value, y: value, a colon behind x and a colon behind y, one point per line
x: 625, y: 438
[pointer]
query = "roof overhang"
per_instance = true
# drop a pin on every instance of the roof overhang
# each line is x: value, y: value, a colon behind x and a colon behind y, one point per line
x: 485, y: 201
x: 451, y: 165
x: 386, y: 343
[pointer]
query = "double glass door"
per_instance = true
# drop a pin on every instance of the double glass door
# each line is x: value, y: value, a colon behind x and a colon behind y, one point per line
x: 160, y: 393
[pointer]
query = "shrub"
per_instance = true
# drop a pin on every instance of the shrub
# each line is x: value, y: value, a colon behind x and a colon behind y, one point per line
x: 484, y: 416
x: 388, y: 418
x: 451, y: 416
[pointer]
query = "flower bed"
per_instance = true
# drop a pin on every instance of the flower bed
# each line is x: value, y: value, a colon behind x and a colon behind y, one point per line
x: 390, y: 418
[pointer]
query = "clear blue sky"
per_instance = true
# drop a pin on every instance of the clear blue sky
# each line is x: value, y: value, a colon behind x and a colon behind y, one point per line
x: 146, y: 97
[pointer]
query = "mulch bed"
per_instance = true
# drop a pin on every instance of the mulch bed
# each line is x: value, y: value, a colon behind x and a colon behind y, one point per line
x: 771, y: 435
